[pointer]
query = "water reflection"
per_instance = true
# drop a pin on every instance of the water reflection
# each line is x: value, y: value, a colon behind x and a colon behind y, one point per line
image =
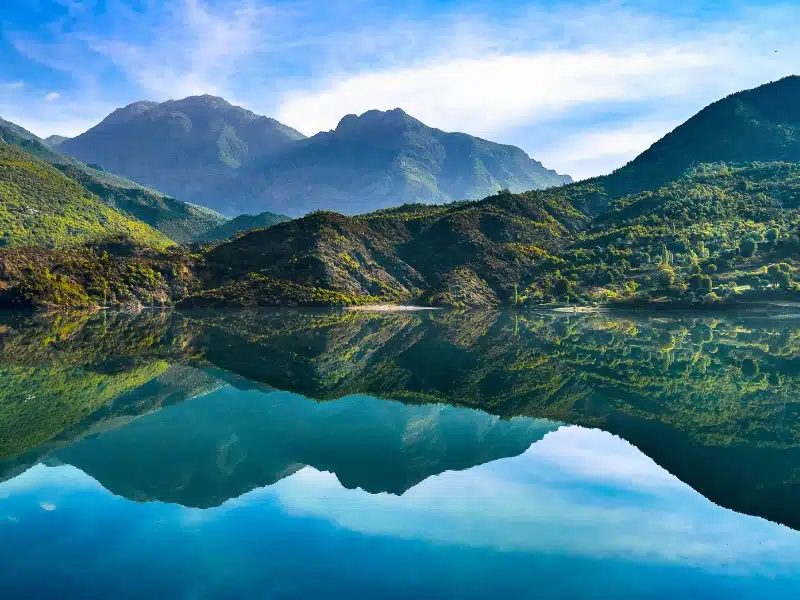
x: 712, y: 399
x: 204, y: 452
x: 581, y: 513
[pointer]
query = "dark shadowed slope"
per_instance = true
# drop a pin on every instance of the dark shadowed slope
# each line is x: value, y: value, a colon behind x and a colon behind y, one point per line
x: 241, y: 224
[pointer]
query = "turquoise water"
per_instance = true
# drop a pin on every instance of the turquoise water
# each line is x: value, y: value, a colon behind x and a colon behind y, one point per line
x: 326, y: 455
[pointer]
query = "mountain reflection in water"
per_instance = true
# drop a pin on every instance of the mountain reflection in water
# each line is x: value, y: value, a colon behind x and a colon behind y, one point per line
x: 317, y: 454
x: 197, y: 409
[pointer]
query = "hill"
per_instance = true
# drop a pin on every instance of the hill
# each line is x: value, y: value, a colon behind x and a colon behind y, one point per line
x: 468, y: 253
x: 757, y: 125
x: 181, y: 221
x: 191, y: 148
x: 42, y: 206
x: 235, y: 161
x: 720, y: 233
x: 241, y: 224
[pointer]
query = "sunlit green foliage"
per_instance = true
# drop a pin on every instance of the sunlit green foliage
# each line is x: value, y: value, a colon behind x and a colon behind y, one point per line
x: 39, y: 205
x: 180, y: 221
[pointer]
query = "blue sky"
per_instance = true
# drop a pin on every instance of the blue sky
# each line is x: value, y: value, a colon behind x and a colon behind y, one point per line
x: 582, y: 86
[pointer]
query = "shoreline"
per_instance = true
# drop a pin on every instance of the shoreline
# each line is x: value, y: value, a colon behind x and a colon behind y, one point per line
x: 391, y: 308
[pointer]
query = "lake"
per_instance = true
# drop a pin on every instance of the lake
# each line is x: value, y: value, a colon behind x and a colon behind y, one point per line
x: 328, y: 454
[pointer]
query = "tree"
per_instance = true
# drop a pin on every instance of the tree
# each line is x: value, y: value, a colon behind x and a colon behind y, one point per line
x: 772, y: 235
x: 779, y: 275
x: 560, y: 286
x: 700, y: 283
x: 666, y: 276
x: 748, y: 247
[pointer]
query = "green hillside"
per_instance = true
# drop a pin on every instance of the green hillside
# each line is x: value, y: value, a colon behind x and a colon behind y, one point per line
x: 469, y: 253
x: 180, y: 221
x: 42, y: 206
x: 719, y: 233
x: 241, y: 224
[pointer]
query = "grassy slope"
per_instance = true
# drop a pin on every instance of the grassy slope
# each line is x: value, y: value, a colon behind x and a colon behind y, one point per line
x: 180, y: 221
x: 42, y: 206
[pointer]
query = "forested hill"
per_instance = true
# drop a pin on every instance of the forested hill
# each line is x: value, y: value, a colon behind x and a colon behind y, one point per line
x: 180, y: 221
x: 757, y: 125
x: 42, y: 206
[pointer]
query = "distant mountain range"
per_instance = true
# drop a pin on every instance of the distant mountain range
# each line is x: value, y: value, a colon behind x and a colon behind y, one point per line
x: 235, y: 161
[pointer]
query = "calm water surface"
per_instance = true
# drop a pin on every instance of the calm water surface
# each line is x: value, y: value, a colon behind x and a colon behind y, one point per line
x: 294, y: 454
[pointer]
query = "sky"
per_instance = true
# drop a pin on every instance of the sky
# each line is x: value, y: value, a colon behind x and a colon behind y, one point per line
x: 582, y: 86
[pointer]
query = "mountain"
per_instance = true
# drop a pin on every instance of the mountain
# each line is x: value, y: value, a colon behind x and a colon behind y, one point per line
x: 55, y: 140
x: 757, y: 125
x: 181, y: 221
x: 191, y: 148
x: 235, y: 161
x: 709, y: 216
x: 240, y: 224
x: 467, y: 253
x: 385, y: 159
x: 42, y: 206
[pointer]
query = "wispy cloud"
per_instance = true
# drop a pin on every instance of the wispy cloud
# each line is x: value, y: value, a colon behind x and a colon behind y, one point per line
x: 52, y: 96
x: 580, y: 87
x: 14, y: 85
x: 496, y: 93
x: 192, y: 49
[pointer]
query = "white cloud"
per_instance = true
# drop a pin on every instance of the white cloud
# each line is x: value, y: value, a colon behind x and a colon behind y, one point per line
x: 14, y: 85
x: 47, y: 506
x: 192, y: 50
x: 579, y: 88
x: 487, y: 95
x: 52, y: 96
x: 577, y: 492
x: 591, y: 152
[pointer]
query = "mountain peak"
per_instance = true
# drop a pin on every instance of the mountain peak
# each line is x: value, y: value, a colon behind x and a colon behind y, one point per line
x: 131, y: 111
x: 376, y: 118
x: 201, y: 100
